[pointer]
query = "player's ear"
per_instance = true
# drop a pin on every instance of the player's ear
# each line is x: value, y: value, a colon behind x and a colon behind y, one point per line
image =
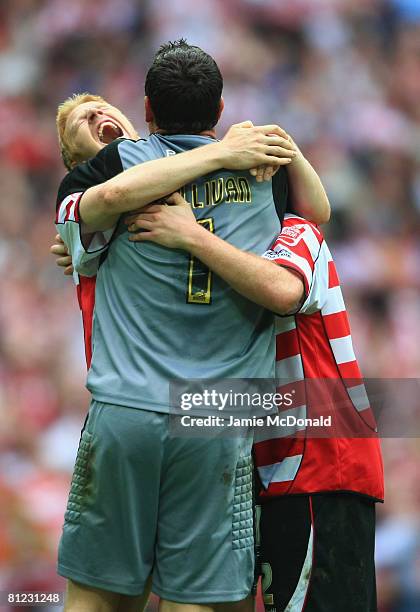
x: 221, y: 107
x: 148, y: 113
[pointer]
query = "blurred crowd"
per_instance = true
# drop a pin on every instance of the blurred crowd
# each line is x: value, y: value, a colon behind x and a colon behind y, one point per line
x: 343, y: 78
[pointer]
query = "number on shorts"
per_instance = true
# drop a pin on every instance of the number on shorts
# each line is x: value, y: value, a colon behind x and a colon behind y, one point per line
x: 199, y: 276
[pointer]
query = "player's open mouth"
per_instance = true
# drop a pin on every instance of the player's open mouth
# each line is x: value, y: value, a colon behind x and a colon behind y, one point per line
x: 108, y: 131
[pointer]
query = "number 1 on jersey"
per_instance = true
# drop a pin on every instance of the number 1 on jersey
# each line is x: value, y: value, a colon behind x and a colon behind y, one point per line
x: 199, y: 276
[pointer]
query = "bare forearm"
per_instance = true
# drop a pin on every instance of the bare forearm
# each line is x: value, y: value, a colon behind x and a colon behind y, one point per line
x: 257, y: 279
x: 308, y: 194
x: 102, y: 205
x: 155, y: 179
x: 260, y: 280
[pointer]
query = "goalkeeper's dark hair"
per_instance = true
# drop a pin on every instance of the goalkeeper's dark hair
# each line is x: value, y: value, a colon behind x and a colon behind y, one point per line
x: 184, y: 87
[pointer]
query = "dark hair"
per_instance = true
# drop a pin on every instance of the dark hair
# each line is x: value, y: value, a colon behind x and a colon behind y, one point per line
x: 184, y: 86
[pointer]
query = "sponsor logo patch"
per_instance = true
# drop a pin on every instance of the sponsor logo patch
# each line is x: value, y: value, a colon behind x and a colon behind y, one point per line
x: 270, y: 255
x: 284, y: 253
x: 292, y: 235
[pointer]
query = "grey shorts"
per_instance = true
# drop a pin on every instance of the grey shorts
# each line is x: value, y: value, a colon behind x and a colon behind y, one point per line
x: 144, y: 503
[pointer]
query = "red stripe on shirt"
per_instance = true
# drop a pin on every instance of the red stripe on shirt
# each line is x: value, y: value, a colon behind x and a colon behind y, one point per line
x: 337, y: 325
x: 269, y: 453
x: 350, y: 370
x: 76, y: 210
x: 317, y: 357
x: 86, y: 296
x: 68, y: 209
x: 287, y: 345
x: 333, y: 280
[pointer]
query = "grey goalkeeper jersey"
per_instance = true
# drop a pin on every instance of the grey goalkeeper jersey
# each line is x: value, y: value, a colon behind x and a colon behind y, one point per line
x: 159, y: 314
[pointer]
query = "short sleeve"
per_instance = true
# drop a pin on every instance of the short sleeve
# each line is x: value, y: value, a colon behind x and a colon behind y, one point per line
x: 298, y: 247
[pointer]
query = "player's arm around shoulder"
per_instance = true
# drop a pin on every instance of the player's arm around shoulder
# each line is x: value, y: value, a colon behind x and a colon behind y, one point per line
x: 243, y: 147
x: 277, y: 288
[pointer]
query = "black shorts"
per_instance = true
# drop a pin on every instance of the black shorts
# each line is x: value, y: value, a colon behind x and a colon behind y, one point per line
x: 317, y: 553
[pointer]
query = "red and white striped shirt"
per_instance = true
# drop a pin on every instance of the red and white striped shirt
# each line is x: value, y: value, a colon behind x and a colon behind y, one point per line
x: 315, y: 360
x: 85, y: 258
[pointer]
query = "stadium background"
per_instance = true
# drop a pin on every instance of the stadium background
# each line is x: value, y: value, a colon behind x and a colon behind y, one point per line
x: 343, y: 77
